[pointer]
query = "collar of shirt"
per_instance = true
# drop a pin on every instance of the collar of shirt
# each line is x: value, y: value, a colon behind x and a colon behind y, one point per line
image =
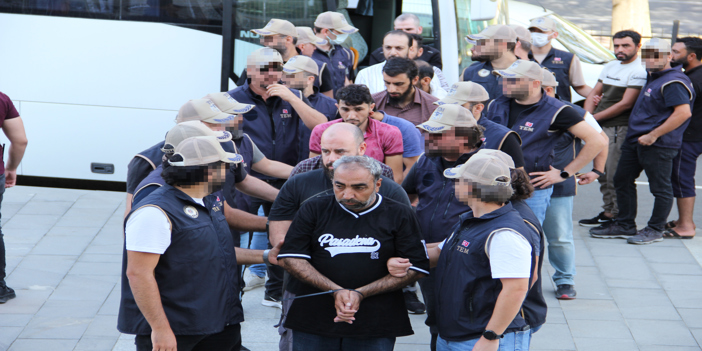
x: 378, y: 200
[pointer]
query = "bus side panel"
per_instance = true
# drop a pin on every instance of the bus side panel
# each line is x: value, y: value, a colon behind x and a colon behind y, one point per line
x: 106, y: 63
x: 65, y: 139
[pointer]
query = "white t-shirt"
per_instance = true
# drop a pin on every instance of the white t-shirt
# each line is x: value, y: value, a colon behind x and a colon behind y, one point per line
x: 372, y: 77
x: 149, y: 230
x: 509, y: 254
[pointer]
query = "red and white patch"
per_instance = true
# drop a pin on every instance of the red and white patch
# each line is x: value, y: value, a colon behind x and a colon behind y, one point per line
x: 529, y: 124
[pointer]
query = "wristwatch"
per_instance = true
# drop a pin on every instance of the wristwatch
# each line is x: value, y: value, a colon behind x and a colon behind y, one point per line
x: 491, y: 335
x: 565, y: 174
x: 600, y: 174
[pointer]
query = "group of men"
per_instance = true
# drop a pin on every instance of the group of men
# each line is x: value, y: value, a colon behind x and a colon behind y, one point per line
x: 363, y: 189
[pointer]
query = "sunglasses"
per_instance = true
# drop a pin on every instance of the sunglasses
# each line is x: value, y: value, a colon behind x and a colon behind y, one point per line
x: 271, y: 67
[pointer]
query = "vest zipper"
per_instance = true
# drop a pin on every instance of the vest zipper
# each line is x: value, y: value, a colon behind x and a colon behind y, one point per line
x: 438, y: 200
x: 448, y: 204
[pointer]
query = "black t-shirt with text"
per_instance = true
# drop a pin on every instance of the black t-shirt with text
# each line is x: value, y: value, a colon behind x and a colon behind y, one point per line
x: 352, y: 250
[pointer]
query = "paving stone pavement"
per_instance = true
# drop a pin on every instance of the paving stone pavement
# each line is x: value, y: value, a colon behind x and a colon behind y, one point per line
x: 64, y: 259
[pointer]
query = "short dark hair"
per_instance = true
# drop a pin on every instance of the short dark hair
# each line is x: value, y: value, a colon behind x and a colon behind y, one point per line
x: 511, y: 46
x: 398, y: 65
x: 418, y: 38
x: 692, y: 45
x: 635, y: 36
x: 521, y: 184
x: 474, y: 135
x: 425, y: 69
x: 186, y: 175
x: 401, y: 33
x: 354, y: 95
x: 317, y: 29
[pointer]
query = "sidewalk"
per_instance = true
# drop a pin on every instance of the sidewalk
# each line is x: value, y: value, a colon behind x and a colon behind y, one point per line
x: 64, y: 260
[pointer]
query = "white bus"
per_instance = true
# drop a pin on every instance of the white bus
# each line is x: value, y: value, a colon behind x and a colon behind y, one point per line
x: 97, y: 81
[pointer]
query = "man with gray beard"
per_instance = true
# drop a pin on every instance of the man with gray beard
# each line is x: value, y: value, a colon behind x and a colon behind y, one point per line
x: 362, y: 308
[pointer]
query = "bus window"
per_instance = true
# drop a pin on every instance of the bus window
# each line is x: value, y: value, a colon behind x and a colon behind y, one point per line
x: 423, y: 10
x: 467, y: 26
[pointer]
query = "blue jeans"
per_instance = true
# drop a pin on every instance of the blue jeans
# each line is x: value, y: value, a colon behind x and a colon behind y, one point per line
x: 517, y: 341
x: 312, y: 342
x: 539, y: 203
x: 259, y: 241
x: 558, y: 228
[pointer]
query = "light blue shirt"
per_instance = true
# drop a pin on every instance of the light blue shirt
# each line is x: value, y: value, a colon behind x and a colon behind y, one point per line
x: 412, y: 139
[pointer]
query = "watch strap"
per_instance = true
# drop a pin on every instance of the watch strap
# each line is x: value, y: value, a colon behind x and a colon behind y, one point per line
x: 598, y: 172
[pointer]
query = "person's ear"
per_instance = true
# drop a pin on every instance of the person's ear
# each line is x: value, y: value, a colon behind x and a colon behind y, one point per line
x: 478, y: 108
x: 420, y: 51
x: 415, y: 80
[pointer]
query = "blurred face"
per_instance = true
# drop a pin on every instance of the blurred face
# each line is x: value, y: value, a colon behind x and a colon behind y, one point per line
x: 463, y: 190
x: 408, y: 26
x: 215, y: 176
x: 654, y: 60
x: 399, y: 88
x: 265, y: 74
x: 516, y: 88
x: 307, y: 49
x: 441, y: 144
x: 276, y: 42
x: 487, y: 50
x: 334, y: 147
x: 357, y: 115
x: 296, y: 81
x: 217, y: 127
x: 624, y: 49
x: 680, y: 55
x: 397, y: 46
x: 354, y: 187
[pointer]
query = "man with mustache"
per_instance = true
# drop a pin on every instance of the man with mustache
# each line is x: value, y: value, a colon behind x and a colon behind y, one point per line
x: 384, y: 142
x: 341, y: 139
x: 400, y: 97
x: 355, y: 227
x: 616, y: 90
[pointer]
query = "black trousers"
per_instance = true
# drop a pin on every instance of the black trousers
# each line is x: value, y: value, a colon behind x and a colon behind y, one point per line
x: 228, y: 339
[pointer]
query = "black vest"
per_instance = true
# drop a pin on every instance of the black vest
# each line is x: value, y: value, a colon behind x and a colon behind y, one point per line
x: 566, y: 150
x: 197, y: 275
x: 558, y: 62
x: 481, y: 73
x: 494, y: 134
x: 466, y: 291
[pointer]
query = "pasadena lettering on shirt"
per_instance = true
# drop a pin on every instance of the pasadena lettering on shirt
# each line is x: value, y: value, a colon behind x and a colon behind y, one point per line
x: 352, y: 249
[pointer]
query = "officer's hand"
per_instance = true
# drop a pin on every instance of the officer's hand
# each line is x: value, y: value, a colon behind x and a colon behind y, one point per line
x: 596, y: 99
x: 546, y: 179
x: 273, y: 254
x: 10, y: 178
x: 486, y: 345
x: 398, y: 267
x: 344, y: 306
x: 281, y: 91
x: 587, y: 178
x: 647, y: 139
x: 163, y: 340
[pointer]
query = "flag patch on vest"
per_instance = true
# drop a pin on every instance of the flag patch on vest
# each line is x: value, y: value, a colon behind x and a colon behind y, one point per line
x: 465, y: 243
x: 557, y: 60
x: 528, y: 127
x: 190, y: 211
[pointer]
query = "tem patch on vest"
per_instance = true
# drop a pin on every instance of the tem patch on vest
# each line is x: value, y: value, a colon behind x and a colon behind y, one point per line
x: 483, y: 73
x: 463, y: 247
x: 190, y: 211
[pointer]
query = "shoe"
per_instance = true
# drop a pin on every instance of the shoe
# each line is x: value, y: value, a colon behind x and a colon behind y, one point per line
x: 413, y: 304
x: 271, y: 302
x: 6, y: 293
x: 252, y: 281
x: 565, y: 292
x: 612, y: 231
x: 645, y: 236
x: 600, y: 219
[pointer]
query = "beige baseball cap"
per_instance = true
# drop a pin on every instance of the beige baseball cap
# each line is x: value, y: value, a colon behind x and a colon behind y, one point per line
x: 446, y: 117
x: 658, y: 44
x: 301, y: 63
x: 543, y: 23
x: 263, y: 56
x: 522, y: 69
x: 277, y: 26
x: 203, y: 110
x: 549, y: 79
x: 334, y: 20
x: 462, y: 92
x: 202, y: 150
x: 497, y: 31
x: 485, y: 170
x: 507, y: 159
x: 523, y: 34
x: 227, y: 104
x: 191, y: 129
x: 305, y: 35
